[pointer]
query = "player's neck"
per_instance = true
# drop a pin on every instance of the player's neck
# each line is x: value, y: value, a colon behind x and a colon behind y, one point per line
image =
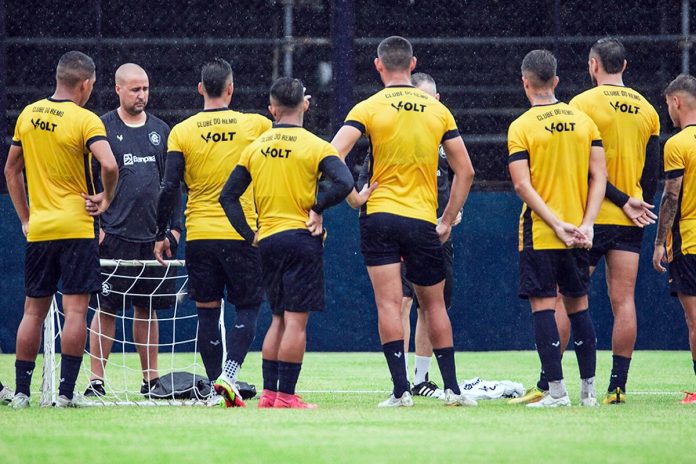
x: 542, y: 97
x: 294, y: 119
x: 215, y: 103
x: 131, y: 119
x: 610, y: 79
x: 397, y: 78
x: 65, y: 94
x: 688, y: 119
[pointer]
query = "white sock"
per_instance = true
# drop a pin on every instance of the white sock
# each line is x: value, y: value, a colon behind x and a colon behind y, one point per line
x: 587, y: 388
x: 230, y: 369
x: 422, y: 369
x: 557, y: 389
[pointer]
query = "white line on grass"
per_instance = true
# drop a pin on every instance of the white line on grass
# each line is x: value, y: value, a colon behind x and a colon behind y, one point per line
x: 633, y: 392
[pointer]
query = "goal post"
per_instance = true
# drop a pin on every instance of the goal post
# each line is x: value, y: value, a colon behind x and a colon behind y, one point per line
x: 122, y: 374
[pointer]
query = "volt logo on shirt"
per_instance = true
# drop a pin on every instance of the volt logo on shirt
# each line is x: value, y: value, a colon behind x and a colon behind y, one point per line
x: 625, y: 107
x: 408, y: 106
x: 44, y: 125
x: 218, y: 136
x: 560, y: 127
x: 276, y: 152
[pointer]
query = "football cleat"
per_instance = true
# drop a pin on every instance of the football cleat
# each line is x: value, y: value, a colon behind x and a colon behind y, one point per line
x: 96, y: 388
x: 532, y: 395
x: 228, y: 390
x: 427, y: 388
x: 20, y: 401
x: 146, y: 387
x: 215, y: 400
x: 615, y: 397
x: 6, y: 395
x: 549, y: 401
x: 267, y: 399
x: 690, y: 398
x: 452, y: 399
x: 589, y: 402
x: 287, y: 401
x: 76, y: 402
x: 406, y: 401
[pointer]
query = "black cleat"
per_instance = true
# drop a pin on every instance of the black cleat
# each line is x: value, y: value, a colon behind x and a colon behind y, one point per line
x: 146, y: 387
x: 427, y: 388
x: 95, y: 388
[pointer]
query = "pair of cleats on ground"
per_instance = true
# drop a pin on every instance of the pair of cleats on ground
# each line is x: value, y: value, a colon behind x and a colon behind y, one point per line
x: 536, y: 398
x: 448, y: 397
x: 96, y: 387
x: 22, y: 401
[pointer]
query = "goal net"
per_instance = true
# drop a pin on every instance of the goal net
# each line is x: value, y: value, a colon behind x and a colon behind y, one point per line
x: 177, y: 348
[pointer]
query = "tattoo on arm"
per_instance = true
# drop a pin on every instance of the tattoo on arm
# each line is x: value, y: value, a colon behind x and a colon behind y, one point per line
x: 668, y: 211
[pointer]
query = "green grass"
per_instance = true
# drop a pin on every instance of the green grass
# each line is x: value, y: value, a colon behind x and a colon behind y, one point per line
x: 348, y: 428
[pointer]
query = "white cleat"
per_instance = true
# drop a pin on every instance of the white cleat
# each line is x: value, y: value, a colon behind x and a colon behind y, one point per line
x: 549, y: 401
x: 215, y: 400
x: 406, y: 401
x: 452, y: 399
x: 589, y: 402
x: 20, y: 401
x: 77, y: 401
x: 6, y: 395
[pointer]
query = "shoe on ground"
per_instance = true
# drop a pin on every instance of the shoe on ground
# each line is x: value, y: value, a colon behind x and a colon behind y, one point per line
x: 406, y: 401
x: 532, y: 395
x: 146, y: 387
x: 6, y: 395
x: 287, y: 401
x: 549, y: 401
x: 215, y: 400
x: 77, y: 401
x: 96, y: 388
x: 228, y: 390
x: 20, y: 401
x: 267, y: 399
x: 690, y: 398
x: 617, y: 396
x: 427, y: 388
x: 589, y: 402
x: 452, y: 399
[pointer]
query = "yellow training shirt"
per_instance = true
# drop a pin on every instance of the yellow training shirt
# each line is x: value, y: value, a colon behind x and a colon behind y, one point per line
x: 626, y: 121
x: 556, y: 139
x: 211, y: 143
x: 680, y: 159
x: 55, y: 136
x: 405, y: 127
x: 284, y: 168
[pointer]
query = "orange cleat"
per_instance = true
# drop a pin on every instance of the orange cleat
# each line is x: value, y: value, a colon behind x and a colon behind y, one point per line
x: 690, y: 398
x: 284, y: 400
x: 267, y: 398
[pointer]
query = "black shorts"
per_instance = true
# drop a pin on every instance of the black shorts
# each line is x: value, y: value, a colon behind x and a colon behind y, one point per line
x: 682, y: 275
x: 216, y: 267
x: 73, y: 262
x: 143, y: 286
x: 387, y: 238
x: 407, y: 287
x: 611, y: 237
x: 293, y: 271
x: 542, y: 271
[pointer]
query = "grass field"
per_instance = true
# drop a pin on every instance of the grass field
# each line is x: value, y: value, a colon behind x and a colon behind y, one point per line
x: 348, y: 428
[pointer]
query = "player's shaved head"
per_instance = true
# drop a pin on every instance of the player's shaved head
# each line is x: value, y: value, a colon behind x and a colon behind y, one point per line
x: 287, y: 92
x: 539, y: 66
x: 395, y: 53
x: 127, y: 71
x: 685, y: 85
x: 74, y: 67
x: 215, y: 75
x: 424, y: 82
x: 610, y: 53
